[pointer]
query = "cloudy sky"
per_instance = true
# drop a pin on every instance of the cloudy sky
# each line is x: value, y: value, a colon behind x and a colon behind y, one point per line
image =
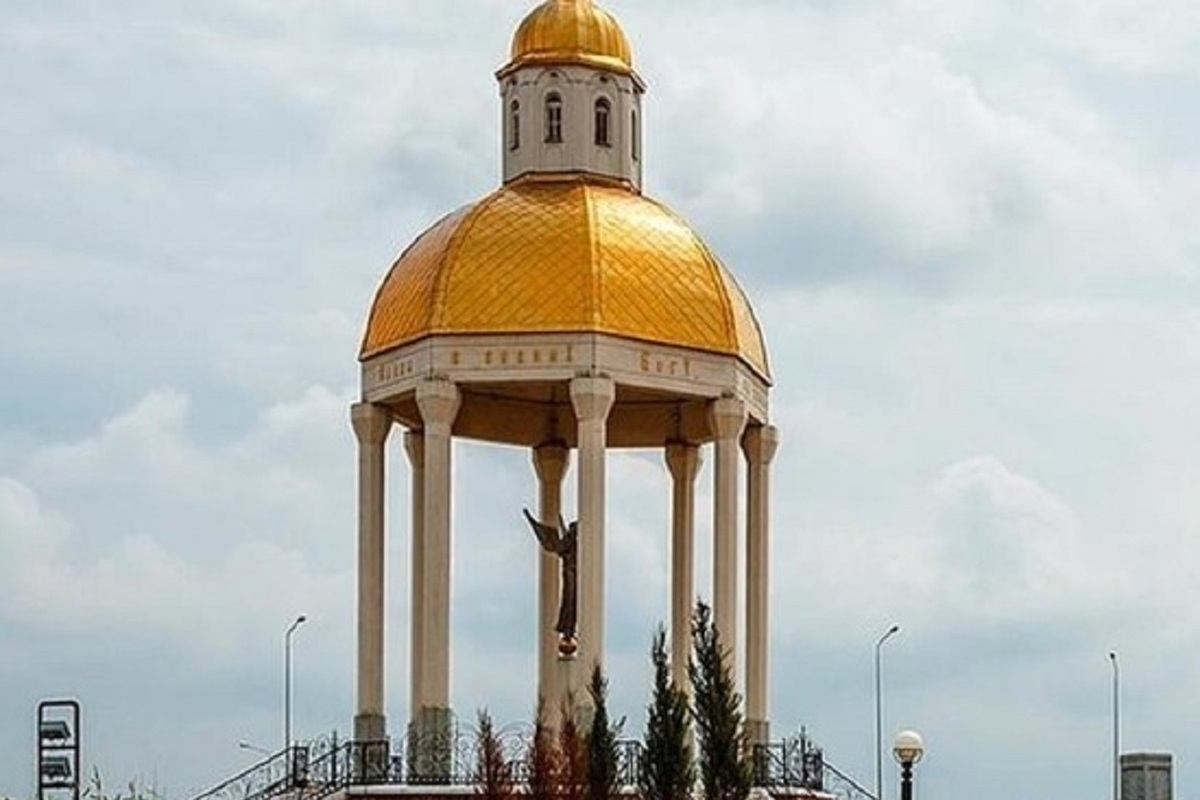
x: 971, y: 232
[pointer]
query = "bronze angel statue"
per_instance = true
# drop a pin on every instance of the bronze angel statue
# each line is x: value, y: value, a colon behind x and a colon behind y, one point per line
x: 562, y: 542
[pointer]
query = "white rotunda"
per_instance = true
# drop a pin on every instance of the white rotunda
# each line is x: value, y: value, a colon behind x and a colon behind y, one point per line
x: 568, y: 314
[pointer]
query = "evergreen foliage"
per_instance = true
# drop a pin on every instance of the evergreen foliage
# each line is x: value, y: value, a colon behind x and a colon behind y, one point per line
x: 94, y: 789
x: 494, y: 779
x: 601, y: 742
x: 573, y: 755
x: 725, y: 771
x: 543, y: 759
x: 668, y: 768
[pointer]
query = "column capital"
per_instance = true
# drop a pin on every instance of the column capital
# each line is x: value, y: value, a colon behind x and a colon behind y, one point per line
x: 550, y: 461
x: 414, y: 446
x: 438, y: 401
x: 683, y: 461
x: 727, y: 416
x: 759, y: 443
x: 592, y: 397
x: 372, y: 423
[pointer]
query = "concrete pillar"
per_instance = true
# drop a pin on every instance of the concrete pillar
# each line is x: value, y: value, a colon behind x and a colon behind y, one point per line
x: 414, y: 446
x: 372, y: 424
x: 759, y: 444
x: 550, y: 463
x: 727, y: 417
x: 438, y: 402
x: 592, y: 398
x: 683, y: 461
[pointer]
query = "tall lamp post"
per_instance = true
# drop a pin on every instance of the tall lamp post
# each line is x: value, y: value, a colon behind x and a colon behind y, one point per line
x: 287, y: 680
x: 892, y: 631
x: 908, y: 749
x: 1116, y: 725
x: 253, y: 748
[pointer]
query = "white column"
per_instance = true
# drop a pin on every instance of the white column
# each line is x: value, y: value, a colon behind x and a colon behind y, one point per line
x: 759, y: 444
x: 372, y: 424
x: 414, y: 446
x: 727, y: 417
x: 550, y: 462
x: 438, y: 402
x: 683, y: 461
x: 592, y: 399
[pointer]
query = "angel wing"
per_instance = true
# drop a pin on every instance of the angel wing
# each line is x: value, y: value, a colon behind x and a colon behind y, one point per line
x: 549, y: 537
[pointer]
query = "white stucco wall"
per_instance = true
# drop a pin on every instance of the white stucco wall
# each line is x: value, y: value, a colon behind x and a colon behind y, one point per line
x: 580, y: 88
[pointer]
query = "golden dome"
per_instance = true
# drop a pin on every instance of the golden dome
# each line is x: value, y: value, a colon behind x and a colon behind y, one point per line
x: 571, y: 32
x: 565, y: 256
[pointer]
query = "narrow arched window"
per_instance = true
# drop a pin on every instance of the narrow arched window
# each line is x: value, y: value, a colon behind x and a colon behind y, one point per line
x: 603, y: 132
x: 554, y: 109
x: 636, y: 133
x: 514, y: 126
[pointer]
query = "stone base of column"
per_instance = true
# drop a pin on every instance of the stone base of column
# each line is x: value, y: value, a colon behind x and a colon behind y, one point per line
x: 758, y: 731
x: 430, y: 750
x: 371, y: 752
x: 370, y: 727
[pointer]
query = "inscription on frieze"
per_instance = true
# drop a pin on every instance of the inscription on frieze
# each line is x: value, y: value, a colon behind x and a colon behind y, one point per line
x: 649, y: 362
x: 497, y: 357
x: 658, y: 364
x: 390, y: 371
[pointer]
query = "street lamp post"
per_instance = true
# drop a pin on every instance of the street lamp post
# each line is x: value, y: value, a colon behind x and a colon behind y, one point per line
x: 892, y: 631
x: 1116, y: 725
x: 287, y: 680
x: 907, y: 749
x: 253, y: 748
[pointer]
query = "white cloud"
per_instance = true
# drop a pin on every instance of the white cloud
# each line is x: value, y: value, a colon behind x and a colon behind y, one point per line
x: 918, y: 144
x: 31, y: 534
x: 1010, y: 548
x: 106, y: 559
x: 90, y: 163
x: 141, y: 580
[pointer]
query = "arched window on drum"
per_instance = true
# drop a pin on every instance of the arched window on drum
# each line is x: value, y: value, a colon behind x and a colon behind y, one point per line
x: 554, y: 115
x: 514, y: 125
x: 603, y: 123
x: 636, y: 134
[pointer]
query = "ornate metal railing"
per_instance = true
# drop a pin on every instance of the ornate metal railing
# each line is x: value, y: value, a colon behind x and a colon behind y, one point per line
x: 794, y: 763
x: 629, y: 763
x: 271, y: 776
x: 321, y: 768
x: 842, y: 785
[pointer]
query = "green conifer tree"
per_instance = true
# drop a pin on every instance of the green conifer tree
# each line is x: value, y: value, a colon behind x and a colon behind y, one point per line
x: 573, y: 754
x: 543, y: 759
x: 668, y: 769
x: 725, y: 770
x: 494, y: 779
x: 601, y: 742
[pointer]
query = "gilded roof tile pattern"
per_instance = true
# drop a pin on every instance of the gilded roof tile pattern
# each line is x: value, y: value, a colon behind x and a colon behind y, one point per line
x: 565, y: 256
x: 571, y: 31
x: 749, y: 332
x: 408, y: 291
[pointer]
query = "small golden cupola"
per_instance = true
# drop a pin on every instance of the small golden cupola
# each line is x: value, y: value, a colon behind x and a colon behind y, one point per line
x: 572, y: 102
x: 571, y: 32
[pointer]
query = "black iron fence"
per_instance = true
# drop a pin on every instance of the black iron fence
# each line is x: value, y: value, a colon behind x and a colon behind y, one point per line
x: 274, y: 775
x: 321, y: 768
x: 842, y: 785
x: 794, y: 763
x: 629, y: 763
